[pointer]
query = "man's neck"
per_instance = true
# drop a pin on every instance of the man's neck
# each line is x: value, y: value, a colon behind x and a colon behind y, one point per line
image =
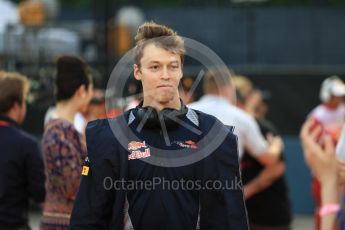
x: 173, y: 104
x: 12, y: 115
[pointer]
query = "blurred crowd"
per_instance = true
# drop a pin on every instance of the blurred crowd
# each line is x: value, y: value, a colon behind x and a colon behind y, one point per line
x: 48, y: 172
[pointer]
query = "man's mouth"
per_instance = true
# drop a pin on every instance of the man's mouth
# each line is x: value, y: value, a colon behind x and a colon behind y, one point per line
x: 164, y: 86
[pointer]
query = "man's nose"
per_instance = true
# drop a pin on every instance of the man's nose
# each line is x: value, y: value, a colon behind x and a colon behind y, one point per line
x: 165, y: 73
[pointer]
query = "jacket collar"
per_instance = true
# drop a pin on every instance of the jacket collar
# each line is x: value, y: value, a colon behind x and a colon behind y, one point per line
x: 191, y: 116
x: 8, y: 120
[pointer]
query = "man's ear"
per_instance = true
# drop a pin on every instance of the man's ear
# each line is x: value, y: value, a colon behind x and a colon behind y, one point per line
x: 137, y: 72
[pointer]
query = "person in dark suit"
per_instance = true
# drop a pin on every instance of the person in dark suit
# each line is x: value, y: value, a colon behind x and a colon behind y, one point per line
x: 21, y: 165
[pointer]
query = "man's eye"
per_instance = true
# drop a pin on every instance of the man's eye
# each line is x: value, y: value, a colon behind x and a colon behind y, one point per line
x: 154, y: 67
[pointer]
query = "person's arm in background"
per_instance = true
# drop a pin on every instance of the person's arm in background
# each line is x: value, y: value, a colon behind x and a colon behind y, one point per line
x: 272, y: 154
x: 266, y: 152
x: 323, y: 163
x: 265, y: 179
x: 34, y: 171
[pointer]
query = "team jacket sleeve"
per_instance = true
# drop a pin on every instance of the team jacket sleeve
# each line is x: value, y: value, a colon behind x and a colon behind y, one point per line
x: 222, y: 204
x: 93, y: 207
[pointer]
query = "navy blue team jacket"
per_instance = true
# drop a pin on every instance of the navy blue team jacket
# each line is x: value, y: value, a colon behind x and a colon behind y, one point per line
x: 214, y: 192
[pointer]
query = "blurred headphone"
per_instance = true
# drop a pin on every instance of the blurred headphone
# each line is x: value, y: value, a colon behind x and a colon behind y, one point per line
x: 153, y: 119
x: 326, y: 88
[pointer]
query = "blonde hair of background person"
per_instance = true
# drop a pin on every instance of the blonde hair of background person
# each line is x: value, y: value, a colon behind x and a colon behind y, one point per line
x: 14, y: 89
x: 244, y: 89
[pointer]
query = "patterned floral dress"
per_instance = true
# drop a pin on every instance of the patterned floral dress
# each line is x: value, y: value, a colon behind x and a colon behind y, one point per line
x: 63, y: 150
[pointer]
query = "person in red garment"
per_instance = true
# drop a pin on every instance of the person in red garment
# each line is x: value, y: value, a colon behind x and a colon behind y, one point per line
x: 330, y: 116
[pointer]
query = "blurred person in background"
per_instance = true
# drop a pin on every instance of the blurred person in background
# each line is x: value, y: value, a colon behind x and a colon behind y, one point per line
x: 185, y: 88
x: 21, y: 165
x: 269, y: 208
x: 96, y: 109
x: 254, y: 105
x: 319, y: 152
x: 63, y: 147
x: 244, y: 88
x: 217, y: 101
x: 136, y: 96
x: 330, y: 115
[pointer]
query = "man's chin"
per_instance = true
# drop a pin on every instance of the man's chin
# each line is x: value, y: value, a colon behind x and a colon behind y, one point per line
x: 164, y: 99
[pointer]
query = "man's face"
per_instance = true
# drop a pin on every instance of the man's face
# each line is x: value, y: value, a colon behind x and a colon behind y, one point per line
x: 160, y: 73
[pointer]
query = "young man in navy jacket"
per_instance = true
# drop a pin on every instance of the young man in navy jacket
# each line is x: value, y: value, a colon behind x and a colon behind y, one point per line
x: 160, y: 165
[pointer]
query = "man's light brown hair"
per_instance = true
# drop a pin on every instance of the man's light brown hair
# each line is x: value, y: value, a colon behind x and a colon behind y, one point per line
x: 215, y: 79
x: 159, y: 35
x: 13, y: 88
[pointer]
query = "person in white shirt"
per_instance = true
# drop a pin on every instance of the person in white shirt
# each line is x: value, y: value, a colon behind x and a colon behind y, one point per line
x: 217, y: 101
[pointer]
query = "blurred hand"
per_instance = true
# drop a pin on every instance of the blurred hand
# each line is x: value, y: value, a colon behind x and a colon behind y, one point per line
x: 321, y: 160
x: 275, y: 141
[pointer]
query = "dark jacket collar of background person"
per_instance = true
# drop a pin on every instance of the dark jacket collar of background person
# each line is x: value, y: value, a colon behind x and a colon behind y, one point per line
x: 6, y: 121
x: 98, y: 208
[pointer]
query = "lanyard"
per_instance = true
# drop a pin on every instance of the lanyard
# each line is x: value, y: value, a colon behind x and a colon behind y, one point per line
x: 4, y: 123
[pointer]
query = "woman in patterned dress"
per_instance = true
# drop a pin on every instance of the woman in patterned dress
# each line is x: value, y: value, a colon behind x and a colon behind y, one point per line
x: 63, y: 147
